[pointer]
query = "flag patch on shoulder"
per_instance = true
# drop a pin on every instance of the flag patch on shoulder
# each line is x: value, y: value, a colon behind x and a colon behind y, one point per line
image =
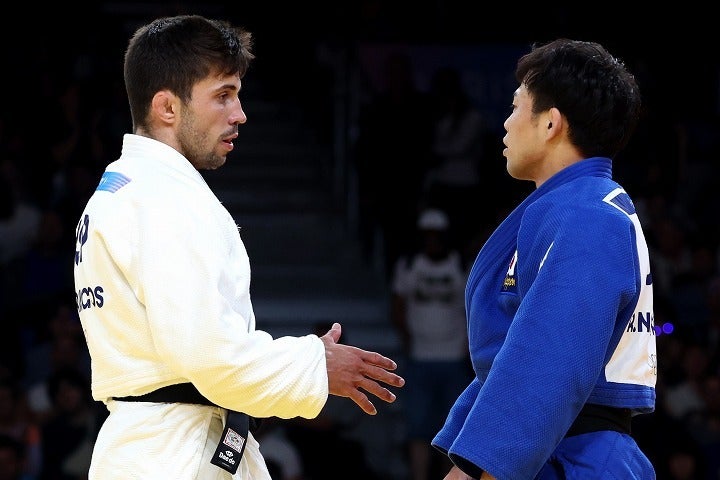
x: 112, y: 182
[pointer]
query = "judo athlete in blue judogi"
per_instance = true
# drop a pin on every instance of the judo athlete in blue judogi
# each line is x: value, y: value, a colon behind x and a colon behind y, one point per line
x: 559, y: 300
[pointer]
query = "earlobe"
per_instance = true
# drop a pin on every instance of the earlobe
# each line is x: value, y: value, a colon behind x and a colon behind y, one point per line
x: 555, y: 121
x: 163, y: 106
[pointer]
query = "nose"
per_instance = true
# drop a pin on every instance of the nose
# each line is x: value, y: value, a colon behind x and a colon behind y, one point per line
x: 238, y: 116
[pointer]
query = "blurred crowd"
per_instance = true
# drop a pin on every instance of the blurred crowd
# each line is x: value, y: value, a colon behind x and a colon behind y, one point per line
x: 415, y: 149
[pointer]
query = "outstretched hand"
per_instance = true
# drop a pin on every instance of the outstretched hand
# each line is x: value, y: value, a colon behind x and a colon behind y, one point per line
x: 353, y: 371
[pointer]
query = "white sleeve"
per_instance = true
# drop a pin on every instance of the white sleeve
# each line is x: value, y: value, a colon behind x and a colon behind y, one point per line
x: 195, y: 279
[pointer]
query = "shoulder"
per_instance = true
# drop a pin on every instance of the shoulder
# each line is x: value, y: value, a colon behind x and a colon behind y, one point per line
x: 584, y: 195
x: 131, y: 192
x: 587, y: 208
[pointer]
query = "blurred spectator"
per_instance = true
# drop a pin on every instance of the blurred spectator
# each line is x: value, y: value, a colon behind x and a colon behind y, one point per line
x: 42, y: 276
x: 17, y: 424
x: 45, y: 354
x: 688, y: 293
x: 428, y: 309
x: 278, y: 451
x: 699, y: 173
x: 69, y: 433
x: 12, y: 362
x: 671, y: 352
x: 108, y: 121
x: 712, y: 323
x: 455, y: 180
x: 704, y: 425
x: 12, y: 459
x: 65, y: 142
x: 392, y: 154
x: 19, y: 223
x: 79, y: 182
x: 683, y: 464
x: 669, y: 253
x: 63, y: 348
x: 687, y: 395
x: 19, y: 218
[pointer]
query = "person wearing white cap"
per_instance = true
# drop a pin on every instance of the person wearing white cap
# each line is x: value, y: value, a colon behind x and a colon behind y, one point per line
x: 428, y: 310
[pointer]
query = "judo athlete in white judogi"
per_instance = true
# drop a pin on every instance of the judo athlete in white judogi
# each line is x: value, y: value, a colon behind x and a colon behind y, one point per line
x: 163, y: 282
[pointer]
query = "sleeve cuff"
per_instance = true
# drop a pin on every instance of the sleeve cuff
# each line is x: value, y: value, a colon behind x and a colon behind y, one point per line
x: 466, y: 466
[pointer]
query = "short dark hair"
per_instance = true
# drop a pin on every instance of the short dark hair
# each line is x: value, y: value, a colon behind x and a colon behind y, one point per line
x: 176, y: 52
x: 595, y: 92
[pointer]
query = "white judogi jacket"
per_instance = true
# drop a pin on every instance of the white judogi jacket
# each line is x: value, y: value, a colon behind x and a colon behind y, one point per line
x: 163, y: 290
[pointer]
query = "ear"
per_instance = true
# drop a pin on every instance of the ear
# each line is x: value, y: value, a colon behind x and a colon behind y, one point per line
x: 555, y: 122
x: 165, y: 107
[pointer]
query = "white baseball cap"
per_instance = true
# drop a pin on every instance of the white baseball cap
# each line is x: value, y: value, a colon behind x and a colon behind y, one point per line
x: 433, y: 219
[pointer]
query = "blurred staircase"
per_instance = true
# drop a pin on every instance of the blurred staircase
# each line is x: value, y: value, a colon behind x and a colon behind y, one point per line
x: 307, y: 267
x: 280, y: 183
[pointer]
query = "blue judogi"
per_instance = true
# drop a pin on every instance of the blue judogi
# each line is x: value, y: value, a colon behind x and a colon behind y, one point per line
x: 560, y: 314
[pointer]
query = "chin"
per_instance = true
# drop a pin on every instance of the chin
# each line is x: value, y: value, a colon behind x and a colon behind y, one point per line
x: 514, y: 173
x: 217, y: 161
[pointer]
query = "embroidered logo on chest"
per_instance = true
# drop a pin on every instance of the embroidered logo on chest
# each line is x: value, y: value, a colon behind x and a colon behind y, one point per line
x: 510, y: 283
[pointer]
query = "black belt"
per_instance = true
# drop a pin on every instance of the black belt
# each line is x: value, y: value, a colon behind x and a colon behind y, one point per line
x: 231, y: 446
x: 594, y: 418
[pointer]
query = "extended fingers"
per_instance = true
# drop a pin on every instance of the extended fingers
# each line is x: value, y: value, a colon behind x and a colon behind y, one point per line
x: 371, y: 375
x: 374, y: 388
x: 362, y: 401
x: 382, y: 375
x: 378, y: 367
x: 374, y: 358
x: 378, y: 390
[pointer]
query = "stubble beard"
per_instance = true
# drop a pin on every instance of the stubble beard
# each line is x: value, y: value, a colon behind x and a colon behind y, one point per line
x: 193, y: 142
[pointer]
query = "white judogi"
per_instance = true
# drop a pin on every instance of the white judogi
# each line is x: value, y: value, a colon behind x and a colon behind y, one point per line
x: 162, y: 287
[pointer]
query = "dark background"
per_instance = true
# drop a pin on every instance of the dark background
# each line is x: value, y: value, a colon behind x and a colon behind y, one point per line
x: 671, y: 165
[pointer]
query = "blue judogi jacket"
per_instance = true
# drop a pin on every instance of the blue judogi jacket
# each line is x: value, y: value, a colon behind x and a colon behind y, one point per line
x: 560, y: 313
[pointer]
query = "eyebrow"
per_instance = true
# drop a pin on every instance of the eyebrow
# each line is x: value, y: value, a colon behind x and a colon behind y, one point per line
x: 226, y: 88
x: 229, y: 86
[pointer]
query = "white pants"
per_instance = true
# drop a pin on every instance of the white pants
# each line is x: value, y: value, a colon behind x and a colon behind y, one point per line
x: 155, y: 441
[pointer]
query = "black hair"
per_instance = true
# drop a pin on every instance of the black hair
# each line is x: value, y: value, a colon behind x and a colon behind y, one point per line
x: 174, y: 53
x: 594, y: 90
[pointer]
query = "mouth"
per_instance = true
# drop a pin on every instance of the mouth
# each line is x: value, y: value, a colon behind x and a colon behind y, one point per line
x: 228, y: 141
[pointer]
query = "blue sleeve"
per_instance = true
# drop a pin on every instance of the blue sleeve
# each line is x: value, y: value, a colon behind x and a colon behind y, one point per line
x: 456, y: 418
x: 575, y: 273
